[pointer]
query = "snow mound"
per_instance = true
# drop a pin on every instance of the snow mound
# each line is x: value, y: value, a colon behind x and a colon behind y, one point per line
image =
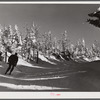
x: 93, y: 59
x: 96, y: 58
x: 28, y: 87
x: 53, y: 57
x: 25, y: 63
x: 1, y: 64
x: 62, y: 57
x: 45, y: 59
x: 89, y: 60
x: 32, y: 79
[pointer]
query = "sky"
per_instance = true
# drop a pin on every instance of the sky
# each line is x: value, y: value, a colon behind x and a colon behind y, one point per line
x: 53, y: 17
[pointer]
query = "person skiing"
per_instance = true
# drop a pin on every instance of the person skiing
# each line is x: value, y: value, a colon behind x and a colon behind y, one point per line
x: 1, y: 57
x: 12, y: 61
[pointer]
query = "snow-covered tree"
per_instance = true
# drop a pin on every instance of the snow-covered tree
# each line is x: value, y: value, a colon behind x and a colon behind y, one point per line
x: 95, y: 22
x: 80, y: 49
x: 65, y: 41
x: 31, y: 43
x: 6, y: 41
x: 47, y: 43
x: 10, y: 39
x: 17, y: 39
x: 96, y: 49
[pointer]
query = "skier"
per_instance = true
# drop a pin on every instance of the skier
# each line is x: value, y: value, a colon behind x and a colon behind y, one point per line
x: 12, y: 61
x: 1, y: 57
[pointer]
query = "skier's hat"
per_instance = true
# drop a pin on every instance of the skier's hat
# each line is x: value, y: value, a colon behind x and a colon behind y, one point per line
x: 15, y: 53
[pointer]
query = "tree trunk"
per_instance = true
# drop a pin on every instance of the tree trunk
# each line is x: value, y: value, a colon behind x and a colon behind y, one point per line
x: 37, y: 57
x: 33, y: 54
x: 5, y: 56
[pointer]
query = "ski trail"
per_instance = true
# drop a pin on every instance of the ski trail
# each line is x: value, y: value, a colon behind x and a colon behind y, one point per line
x: 29, y: 87
x: 50, y: 73
x: 42, y: 78
x: 72, y: 73
x: 32, y: 79
x: 58, y: 72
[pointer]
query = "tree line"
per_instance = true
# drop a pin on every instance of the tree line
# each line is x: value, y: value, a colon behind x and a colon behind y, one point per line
x: 33, y: 43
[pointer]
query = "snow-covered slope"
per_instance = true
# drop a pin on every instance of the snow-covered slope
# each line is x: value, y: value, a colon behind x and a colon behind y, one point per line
x: 28, y: 87
x: 25, y: 63
x: 53, y: 58
x: 93, y: 59
x: 18, y: 81
x: 45, y: 59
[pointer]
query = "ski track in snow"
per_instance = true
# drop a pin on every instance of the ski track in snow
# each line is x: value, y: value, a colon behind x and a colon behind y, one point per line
x: 59, y: 72
x: 33, y: 87
x: 28, y: 87
x: 50, y: 73
x: 36, y: 87
x: 43, y: 78
x: 78, y: 72
x: 32, y: 79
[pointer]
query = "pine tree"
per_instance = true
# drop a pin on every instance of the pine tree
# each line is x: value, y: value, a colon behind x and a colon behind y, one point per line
x: 31, y: 43
x: 17, y: 39
x: 47, y: 43
x: 55, y: 45
x: 36, y: 38
x: 96, y: 49
x: 2, y: 48
x: 27, y: 45
x: 65, y: 42
x: 6, y: 41
x: 94, y: 22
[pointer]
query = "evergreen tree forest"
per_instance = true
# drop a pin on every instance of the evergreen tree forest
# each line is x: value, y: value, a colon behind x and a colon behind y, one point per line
x: 34, y: 43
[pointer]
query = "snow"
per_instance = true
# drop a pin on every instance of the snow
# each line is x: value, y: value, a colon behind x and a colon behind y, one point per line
x: 87, y: 59
x: 62, y: 57
x: 28, y: 87
x: 98, y: 9
x: 93, y: 59
x: 52, y: 57
x: 31, y: 79
x: 96, y: 58
x: 0, y: 65
x: 45, y: 59
x: 25, y: 63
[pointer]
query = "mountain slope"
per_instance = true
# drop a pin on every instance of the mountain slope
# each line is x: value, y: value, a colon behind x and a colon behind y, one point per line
x: 58, y: 76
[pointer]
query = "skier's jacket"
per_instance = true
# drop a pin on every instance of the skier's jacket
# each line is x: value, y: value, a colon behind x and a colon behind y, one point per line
x: 13, y: 59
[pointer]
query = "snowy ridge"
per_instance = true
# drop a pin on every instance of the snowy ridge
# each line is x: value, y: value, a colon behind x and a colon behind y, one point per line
x: 45, y: 59
x: 52, y: 57
x: 93, y: 59
x: 28, y: 87
x: 32, y: 79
